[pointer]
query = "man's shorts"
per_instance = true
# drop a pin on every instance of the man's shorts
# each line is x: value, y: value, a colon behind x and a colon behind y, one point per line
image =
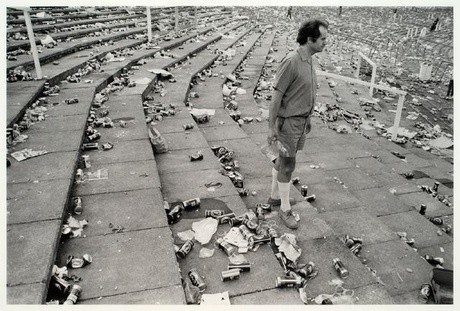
x: 291, y: 133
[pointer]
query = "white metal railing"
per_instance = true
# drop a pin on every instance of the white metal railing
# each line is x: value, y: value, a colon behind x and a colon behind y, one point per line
x: 374, y: 70
x: 402, y: 95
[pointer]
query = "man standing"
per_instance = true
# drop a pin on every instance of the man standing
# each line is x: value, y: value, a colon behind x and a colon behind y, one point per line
x: 291, y: 108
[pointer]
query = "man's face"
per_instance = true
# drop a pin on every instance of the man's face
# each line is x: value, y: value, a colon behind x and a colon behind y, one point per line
x: 320, y: 43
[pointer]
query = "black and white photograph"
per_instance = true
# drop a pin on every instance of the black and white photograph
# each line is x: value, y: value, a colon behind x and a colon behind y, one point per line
x: 181, y: 153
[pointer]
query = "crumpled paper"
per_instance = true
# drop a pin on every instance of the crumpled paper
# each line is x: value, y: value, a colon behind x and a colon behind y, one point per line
x: 200, y: 112
x: 206, y: 252
x: 235, y: 237
x: 186, y: 235
x: 215, y: 299
x: 161, y: 72
x: 205, y: 229
x: 288, y: 246
x: 442, y: 142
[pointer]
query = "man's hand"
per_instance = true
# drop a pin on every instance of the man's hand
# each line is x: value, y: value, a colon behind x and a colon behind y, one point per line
x: 272, y: 135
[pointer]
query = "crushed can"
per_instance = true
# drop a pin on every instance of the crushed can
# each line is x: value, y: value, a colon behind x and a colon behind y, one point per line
x: 196, y: 279
x: 295, y: 180
x: 340, y: 268
x: 236, y: 221
x: 226, y: 247
x: 436, y: 220
x: 61, y: 285
x: 188, y: 126
x: 74, y: 295
x: 185, y: 249
x: 230, y: 275
x: 226, y: 218
x: 245, y: 232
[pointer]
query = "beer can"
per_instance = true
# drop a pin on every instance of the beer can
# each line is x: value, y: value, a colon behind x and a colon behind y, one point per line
x: 260, y: 239
x: 250, y: 224
x: 73, y: 295
x: 223, y: 219
x: 434, y: 260
x: 185, y: 249
x: 188, y: 126
x: 196, y: 279
x: 243, y: 267
x: 306, y: 270
x: 192, y: 203
x: 436, y: 186
x: 236, y: 221
x: 226, y: 247
x: 175, y: 213
x: 214, y: 213
x: 245, y: 232
x: 425, y: 291
x: 436, y: 220
x: 60, y: 284
x: 85, y: 160
x: 260, y: 213
x: 79, y: 175
x: 229, y: 275
x: 326, y: 301
x: 310, y: 198
x: 304, y: 190
x: 295, y: 180
x: 77, y: 209
x: 238, y: 182
x: 422, y: 209
x: 94, y: 136
x: 288, y: 282
x: 340, y: 268
x: 272, y: 233
x: 243, y: 192
x: 355, y: 249
x: 349, y: 242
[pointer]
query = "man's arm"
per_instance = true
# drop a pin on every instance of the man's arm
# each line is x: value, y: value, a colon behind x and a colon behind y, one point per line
x: 272, y: 114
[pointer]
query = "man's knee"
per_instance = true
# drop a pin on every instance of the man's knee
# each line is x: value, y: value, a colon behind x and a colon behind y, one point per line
x: 287, y: 166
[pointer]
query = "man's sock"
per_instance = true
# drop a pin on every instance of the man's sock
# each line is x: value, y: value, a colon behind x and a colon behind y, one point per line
x: 283, y: 188
x: 275, y: 193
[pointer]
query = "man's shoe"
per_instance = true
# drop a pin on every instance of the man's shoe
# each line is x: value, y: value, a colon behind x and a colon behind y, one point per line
x: 277, y: 202
x: 288, y: 219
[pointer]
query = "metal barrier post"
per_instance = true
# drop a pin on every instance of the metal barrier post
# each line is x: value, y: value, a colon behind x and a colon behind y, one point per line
x: 33, y: 47
x: 176, y: 13
x: 398, y: 116
x: 149, y: 24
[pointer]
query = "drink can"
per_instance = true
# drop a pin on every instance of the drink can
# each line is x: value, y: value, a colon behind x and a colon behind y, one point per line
x: 188, y: 126
x: 236, y: 221
x: 272, y: 233
x: 229, y: 275
x: 282, y: 261
x: 295, y: 180
x: 196, y: 279
x: 223, y: 219
x: 260, y: 213
x: 94, y: 136
x: 425, y: 291
x: 214, y: 213
x: 310, y: 198
x: 349, y: 242
x: 74, y: 295
x: 260, y: 239
x: 422, y: 209
x: 238, y: 182
x: 355, y: 249
x: 436, y: 220
x: 245, y: 232
x: 435, y: 187
x: 243, y: 192
x: 175, y: 213
x: 288, y: 282
x: 90, y: 146
x: 185, y: 249
x: 340, y: 268
x: 304, y: 190
x: 86, y: 162
x: 243, y: 267
x: 226, y: 247
x: 77, y: 206
x: 60, y: 284
x: 192, y: 203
